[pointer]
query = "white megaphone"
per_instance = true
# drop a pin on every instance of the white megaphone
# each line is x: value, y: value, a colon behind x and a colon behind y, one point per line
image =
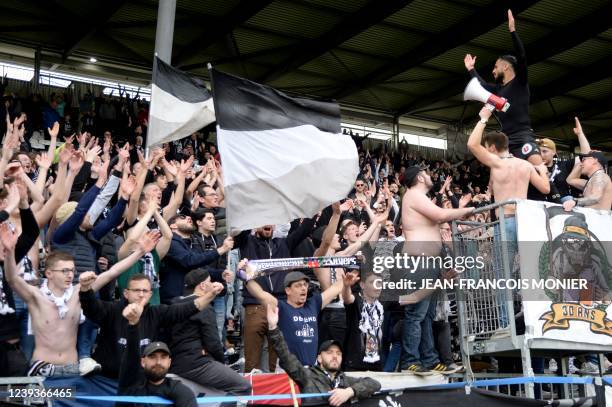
x: 475, y: 91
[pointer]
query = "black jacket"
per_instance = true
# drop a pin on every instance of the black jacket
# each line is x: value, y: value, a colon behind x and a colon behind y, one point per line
x: 132, y: 381
x: 314, y: 379
x: 113, y: 327
x: 190, y: 337
x: 255, y: 248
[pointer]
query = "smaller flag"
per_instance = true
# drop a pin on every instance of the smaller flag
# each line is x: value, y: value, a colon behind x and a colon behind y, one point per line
x: 180, y: 105
x: 283, y: 158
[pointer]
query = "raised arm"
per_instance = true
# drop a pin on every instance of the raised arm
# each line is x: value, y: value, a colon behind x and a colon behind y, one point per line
x: 287, y: 360
x: 539, y: 178
x: 166, y: 235
x: 330, y: 230
x: 177, y: 199
x: 521, y: 58
x: 585, y: 147
x: 255, y: 289
x: 348, y: 282
x: 574, y: 180
x: 137, y: 230
x: 475, y: 141
x: 146, y: 244
x: 9, y: 237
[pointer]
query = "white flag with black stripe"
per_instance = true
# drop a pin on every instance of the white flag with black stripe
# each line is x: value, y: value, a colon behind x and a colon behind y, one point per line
x: 180, y: 105
x: 283, y: 158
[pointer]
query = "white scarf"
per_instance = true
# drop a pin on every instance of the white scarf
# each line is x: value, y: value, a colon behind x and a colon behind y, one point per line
x: 370, y: 326
x: 5, y: 308
x: 60, y: 302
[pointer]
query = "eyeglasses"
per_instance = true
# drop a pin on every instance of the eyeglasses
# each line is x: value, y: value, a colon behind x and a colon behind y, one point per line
x: 65, y: 271
x: 359, y: 185
x: 213, y: 194
x: 139, y: 290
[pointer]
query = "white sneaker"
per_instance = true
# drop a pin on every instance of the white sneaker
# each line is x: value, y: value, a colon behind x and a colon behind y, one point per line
x: 88, y: 366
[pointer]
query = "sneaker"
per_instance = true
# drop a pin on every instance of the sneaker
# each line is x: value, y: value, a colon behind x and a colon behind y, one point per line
x: 501, y: 333
x: 589, y: 368
x: 417, y: 370
x: 442, y: 369
x: 456, y: 367
x: 88, y: 366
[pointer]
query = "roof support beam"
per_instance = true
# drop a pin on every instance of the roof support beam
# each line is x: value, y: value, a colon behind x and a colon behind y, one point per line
x: 562, y: 39
x: 218, y: 29
x: 90, y: 26
x: 353, y: 24
x: 484, y: 20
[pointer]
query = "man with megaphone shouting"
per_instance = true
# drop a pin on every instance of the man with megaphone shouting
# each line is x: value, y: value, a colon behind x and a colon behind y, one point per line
x: 510, y: 74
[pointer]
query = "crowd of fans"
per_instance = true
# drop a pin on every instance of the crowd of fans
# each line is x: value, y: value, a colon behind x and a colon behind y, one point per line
x: 110, y: 256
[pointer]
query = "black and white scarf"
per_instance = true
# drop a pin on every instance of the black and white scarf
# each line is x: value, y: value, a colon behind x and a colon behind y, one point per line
x: 5, y: 308
x: 148, y: 269
x: 370, y: 326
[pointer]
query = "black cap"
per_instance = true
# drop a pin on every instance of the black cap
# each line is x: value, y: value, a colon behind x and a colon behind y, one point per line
x: 411, y: 173
x: 599, y: 156
x: 155, y: 347
x: 195, y: 277
x: 294, y: 276
x: 328, y: 344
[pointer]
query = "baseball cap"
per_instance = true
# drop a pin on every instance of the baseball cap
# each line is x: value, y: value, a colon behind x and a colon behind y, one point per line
x: 195, y: 277
x: 576, y: 227
x: 325, y: 345
x: 155, y: 347
x: 294, y: 276
x: 411, y: 173
x: 599, y: 156
x: 548, y: 143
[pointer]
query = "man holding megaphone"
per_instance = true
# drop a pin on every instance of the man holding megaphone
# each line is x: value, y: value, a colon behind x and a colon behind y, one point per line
x: 510, y: 74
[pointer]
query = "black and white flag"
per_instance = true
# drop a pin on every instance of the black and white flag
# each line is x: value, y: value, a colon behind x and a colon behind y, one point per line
x: 283, y: 158
x: 180, y: 105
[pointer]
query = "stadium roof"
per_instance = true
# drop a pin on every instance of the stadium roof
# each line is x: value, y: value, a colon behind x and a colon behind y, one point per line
x: 402, y: 57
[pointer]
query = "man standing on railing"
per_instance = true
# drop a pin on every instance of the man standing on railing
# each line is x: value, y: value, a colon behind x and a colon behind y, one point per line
x: 510, y: 74
x: 421, y: 219
x: 510, y: 178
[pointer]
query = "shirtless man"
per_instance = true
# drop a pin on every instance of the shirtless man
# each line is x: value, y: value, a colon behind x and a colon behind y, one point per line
x: 55, y: 308
x: 597, y: 190
x: 421, y: 220
x: 510, y: 178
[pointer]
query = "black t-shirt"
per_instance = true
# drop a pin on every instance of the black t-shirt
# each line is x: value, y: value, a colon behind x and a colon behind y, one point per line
x: 515, y: 122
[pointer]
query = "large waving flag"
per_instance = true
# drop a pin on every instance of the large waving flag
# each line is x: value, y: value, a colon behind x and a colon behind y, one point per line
x: 283, y: 158
x: 180, y: 105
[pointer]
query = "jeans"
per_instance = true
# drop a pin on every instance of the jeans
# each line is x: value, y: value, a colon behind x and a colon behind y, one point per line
x: 219, y: 305
x: 26, y: 341
x: 511, y: 242
x: 442, y: 334
x: 88, y: 331
x: 391, y: 342
x: 417, y: 336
